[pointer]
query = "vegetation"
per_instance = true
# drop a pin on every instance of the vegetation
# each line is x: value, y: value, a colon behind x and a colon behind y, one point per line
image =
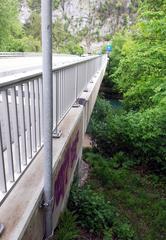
x: 67, y: 228
x: 124, y: 198
x: 12, y: 36
x: 16, y: 37
x: 125, y: 195
x: 117, y: 202
x: 138, y: 200
x: 63, y: 41
x: 118, y: 10
x: 95, y: 214
x: 138, y: 72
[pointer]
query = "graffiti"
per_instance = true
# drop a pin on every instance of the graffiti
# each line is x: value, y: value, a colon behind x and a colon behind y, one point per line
x: 65, y: 170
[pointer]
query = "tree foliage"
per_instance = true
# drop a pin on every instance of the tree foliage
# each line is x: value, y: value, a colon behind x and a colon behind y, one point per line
x: 138, y: 69
x: 142, y: 59
x: 63, y: 41
x: 10, y: 28
x: 12, y: 35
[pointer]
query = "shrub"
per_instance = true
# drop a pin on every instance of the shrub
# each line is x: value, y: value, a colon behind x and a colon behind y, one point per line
x: 123, y: 231
x: 95, y: 214
x: 137, y: 136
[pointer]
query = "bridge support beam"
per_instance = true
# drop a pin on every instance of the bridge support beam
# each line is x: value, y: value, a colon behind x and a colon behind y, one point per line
x: 46, y: 6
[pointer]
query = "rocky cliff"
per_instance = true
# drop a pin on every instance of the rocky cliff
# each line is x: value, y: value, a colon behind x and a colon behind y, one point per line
x: 92, y: 20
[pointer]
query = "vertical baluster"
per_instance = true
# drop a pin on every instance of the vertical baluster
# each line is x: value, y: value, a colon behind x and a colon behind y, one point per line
x: 68, y: 90
x: 72, y: 86
x: 83, y: 77
x: 61, y: 94
x: 33, y: 116
x: 22, y: 125
x: 76, y: 82
x: 8, y: 135
x: 3, y: 187
x: 57, y: 99
x: 41, y: 106
x: 69, y: 87
x: 64, y: 91
x: 86, y: 74
x: 54, y: 100
x: 79, y: 78
x: 37, y: 107
x: 15, y: 130
x: 28, y: 120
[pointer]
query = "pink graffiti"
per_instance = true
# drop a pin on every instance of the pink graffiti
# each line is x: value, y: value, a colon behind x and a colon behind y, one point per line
x: 65, y: 170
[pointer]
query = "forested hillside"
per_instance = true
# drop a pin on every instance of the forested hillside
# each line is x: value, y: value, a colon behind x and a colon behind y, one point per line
x: 13, y: 36
x: 77, y: 24
x: 89, y: 23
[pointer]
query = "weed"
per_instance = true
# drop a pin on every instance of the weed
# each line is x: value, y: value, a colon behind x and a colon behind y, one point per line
x: 67, y: 228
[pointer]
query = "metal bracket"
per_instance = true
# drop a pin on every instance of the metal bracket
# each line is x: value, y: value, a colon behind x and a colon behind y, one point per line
x: 86, y: 90
x: 47, y: 204
x: 82, y: 101
x: 76, y: 104
x: 57, y: 133
x: 2, y: 228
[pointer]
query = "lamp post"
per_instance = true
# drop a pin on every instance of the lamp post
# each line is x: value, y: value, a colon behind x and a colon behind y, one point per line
x: 46, y: 13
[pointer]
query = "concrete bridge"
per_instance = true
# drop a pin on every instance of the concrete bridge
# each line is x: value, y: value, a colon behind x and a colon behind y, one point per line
x: 76, y: 83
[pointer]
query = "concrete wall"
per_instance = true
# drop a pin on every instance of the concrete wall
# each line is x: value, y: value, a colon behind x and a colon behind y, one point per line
x: 21, y: 213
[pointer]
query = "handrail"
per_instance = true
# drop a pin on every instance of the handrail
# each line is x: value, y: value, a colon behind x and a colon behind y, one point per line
x: 21, y: 118
x: 16, y: 78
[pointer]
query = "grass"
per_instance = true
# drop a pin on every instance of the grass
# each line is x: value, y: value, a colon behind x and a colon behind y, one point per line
x: 116, y: 203
x: 139, y: 198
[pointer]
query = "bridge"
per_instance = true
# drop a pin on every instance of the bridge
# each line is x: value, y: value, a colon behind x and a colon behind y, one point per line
x: 75, y: 85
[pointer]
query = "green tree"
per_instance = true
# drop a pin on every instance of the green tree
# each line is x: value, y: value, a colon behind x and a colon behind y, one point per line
x: 137, y: 67
x: 10, y: 27
x: 63, y: 41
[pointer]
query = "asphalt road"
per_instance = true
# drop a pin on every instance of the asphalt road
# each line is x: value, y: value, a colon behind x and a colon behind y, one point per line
x: 14, y: 65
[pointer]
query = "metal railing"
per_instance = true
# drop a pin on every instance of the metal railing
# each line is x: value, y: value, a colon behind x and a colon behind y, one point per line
x: 21, y: 114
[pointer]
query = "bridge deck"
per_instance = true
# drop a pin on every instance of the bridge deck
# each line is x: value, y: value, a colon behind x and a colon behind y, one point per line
x: 13, y: 65
x: 20, y: 208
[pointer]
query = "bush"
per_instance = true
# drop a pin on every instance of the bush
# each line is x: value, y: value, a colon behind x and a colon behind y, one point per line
x: 140, y: 137
x: 123, y: 231
x: 98, y: 216
x: 137, y: 69
x: 95, y: 214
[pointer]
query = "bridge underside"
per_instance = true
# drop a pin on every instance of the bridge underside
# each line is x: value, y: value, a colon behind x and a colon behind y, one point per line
x: 21, y: 213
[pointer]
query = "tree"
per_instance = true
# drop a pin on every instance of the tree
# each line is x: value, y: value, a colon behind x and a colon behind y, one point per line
x: 138, y: 69
x: 10, y: 26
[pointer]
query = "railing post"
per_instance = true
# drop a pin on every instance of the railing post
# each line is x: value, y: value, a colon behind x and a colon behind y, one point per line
x: 86, y: 76
x: 46, y: 6
x: 57, y: 132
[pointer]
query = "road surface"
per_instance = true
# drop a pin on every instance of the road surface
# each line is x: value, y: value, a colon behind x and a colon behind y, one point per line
x: 14, y: 65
